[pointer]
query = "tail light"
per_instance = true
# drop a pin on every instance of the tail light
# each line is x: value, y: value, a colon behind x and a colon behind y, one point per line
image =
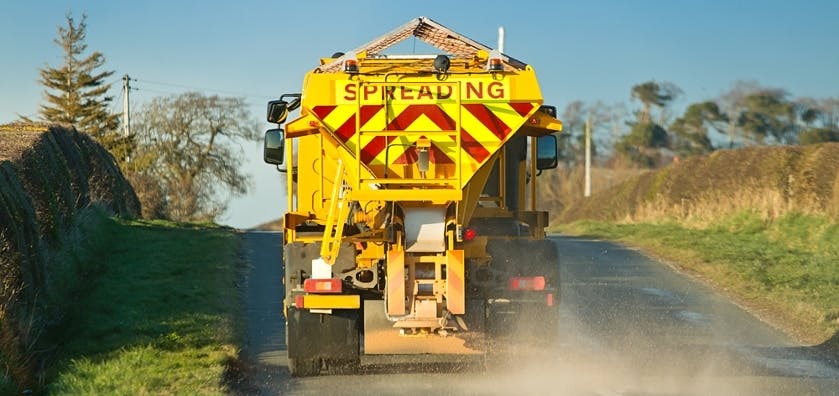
x: 469, y: 234
x: 528, y: 283
x: 329, y: 285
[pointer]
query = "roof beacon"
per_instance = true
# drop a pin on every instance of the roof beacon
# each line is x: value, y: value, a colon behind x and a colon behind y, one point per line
x: 351, y: 63
x: 495, y: 62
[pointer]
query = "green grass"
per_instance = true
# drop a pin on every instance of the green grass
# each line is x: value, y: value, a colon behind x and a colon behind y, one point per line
x: 788, y: 269
x: 6, y: 386
x: 159, y: 319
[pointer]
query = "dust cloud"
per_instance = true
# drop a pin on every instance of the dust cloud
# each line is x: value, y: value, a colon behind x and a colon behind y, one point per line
x: 576, y: 365
x: 628, y: 361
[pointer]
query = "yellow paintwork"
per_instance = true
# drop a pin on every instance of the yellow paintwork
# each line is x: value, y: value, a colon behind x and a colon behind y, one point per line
x: 368, y: 147
x: 455, y: 282
x: 396, y: 290
x: 395, y: 86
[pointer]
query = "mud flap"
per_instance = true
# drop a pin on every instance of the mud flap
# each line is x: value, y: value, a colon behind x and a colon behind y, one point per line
x: 313, y: 339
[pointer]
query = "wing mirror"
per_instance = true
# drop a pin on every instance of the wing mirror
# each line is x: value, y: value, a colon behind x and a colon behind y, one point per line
x: 274, y: 148
x: 278, y: 109
x: 546, y: 152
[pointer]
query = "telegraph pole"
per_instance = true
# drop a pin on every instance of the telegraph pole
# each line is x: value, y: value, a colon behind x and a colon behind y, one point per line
x: 587, y: 192
x: 126, y: 120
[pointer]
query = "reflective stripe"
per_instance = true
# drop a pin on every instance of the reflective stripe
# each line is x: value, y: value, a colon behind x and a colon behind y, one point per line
x: 326, y: 301
x: 484, y: 128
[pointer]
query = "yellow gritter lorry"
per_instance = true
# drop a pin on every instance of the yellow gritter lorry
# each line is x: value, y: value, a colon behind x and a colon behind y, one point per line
x: 412, y: 223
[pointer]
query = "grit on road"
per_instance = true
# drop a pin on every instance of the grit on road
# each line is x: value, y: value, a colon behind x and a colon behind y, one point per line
x: 629, y: 326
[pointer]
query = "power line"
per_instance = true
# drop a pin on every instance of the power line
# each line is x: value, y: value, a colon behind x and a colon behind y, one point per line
x: 155, y: 91
x: 167, y: 84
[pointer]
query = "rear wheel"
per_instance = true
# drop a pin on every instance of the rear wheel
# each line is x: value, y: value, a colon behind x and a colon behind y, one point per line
x: 526, y: 315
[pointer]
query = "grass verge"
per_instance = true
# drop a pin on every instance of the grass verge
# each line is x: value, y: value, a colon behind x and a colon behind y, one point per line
x: 786, y: 270
x: 160, y: 319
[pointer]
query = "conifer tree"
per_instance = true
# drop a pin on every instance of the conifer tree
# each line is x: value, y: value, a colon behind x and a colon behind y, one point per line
x: 77, y: 92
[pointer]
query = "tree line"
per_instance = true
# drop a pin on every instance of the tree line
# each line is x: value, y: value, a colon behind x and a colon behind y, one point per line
x: 747, y: 114
x: 183, y: 153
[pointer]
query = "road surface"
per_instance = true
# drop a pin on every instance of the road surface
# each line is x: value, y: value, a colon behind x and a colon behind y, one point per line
x: 629, y: 326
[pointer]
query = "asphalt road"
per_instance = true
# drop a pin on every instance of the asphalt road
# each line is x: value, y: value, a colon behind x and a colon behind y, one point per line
x: 629, y: 326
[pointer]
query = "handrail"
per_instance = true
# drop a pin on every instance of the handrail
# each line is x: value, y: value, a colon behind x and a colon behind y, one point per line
x: 373, y: 186
x: 334, y: 230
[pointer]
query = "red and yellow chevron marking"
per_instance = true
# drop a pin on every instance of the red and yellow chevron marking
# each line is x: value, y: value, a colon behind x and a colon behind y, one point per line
x: 484, y: 127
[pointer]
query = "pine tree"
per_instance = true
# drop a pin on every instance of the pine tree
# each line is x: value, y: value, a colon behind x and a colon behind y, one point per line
x: 76, y: 91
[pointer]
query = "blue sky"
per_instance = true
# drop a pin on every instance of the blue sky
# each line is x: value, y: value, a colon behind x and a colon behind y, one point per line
x: 581, y: 50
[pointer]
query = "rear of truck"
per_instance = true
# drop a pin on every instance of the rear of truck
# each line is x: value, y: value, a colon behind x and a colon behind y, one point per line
x: 412, y: 225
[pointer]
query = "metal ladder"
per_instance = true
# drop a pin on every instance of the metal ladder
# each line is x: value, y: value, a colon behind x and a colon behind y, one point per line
x: 394, y: 188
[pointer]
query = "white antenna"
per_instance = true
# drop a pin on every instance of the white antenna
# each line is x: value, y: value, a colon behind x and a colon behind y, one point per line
x: 501, y: 39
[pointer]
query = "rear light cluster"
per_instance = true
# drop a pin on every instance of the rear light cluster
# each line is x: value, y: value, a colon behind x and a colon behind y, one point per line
x: 329, y: 285
x: 531, y: 283
x: 469, y: 234
x: 527, y: 283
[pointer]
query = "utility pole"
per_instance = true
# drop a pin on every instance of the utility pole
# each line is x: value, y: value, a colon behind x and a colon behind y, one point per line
x: 587, y: 192
x: 126, y: 118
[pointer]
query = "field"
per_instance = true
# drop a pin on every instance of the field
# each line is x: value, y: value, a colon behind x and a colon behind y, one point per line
x: 761, y: 225
x: 93, y: 302
x: 161, y: 319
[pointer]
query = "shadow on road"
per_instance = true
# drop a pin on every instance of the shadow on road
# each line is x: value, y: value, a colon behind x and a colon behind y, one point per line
x: 817, y: 361
x: 831, y: 348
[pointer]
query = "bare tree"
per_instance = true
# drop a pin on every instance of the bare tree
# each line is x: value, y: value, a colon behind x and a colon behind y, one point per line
x: 189, y: 152
x: 573, y: 124
x: 616, y: 120
x: 574, y: 119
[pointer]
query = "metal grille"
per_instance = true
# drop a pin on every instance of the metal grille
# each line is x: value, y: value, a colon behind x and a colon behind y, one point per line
x: 430, y: 32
